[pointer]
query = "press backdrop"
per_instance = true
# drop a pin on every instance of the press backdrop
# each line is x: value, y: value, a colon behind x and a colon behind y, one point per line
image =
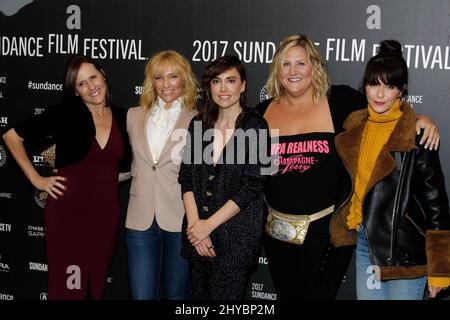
x: 38, y: 37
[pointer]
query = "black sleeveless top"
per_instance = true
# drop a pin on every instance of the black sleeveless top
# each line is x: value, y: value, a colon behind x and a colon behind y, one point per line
x: 306, y: 179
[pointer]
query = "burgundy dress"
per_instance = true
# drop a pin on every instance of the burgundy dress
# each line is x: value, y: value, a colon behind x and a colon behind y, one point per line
x: 82, y: 225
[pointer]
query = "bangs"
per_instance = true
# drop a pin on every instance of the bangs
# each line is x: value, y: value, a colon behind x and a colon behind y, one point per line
x: 379, y: 73
x: 386, y: 70
x: 165, y: 64
x: 377, y: 78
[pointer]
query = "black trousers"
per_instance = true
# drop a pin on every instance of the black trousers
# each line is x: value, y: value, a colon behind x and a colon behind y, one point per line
x: 306, y: 272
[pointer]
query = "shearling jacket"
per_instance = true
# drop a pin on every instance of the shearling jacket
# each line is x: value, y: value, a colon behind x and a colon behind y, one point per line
x: 405, y: 210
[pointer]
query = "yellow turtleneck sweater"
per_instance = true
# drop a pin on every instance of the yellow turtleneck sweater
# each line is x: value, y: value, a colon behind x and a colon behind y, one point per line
x: 377, y: 131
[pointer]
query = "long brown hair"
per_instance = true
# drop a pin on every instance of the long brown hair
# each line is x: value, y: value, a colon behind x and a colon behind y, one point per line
x: 210, y: 110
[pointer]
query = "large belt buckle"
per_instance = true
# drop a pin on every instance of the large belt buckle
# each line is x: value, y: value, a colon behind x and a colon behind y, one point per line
x: 292, y: 228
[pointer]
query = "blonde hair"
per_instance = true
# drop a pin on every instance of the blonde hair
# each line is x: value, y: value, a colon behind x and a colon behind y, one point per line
x: 156, y: 64
x: 321, y: 81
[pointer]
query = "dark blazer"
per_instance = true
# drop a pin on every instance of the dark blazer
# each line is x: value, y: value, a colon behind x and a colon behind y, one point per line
x: 71, y: 125
x: 405, y: 210
x: 239, y: 238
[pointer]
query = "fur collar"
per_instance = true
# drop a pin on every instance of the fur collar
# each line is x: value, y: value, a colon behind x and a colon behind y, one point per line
x: 402, y: 139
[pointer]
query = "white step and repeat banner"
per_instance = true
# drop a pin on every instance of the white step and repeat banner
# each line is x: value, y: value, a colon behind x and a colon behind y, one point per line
x: 38, y: 37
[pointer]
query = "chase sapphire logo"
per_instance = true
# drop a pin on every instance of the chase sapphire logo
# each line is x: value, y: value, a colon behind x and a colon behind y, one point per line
x: 40, y: 197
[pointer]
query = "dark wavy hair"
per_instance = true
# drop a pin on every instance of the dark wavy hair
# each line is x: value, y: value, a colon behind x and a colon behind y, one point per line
x: 71, y: 73
x: 388, y: 66
x: 209, y: 109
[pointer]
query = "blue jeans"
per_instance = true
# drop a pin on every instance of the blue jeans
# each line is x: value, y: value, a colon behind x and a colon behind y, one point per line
x: 155, y: 255
x: 369, y: 288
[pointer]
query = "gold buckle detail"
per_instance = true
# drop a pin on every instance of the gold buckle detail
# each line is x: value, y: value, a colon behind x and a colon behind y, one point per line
x: 287, y: 227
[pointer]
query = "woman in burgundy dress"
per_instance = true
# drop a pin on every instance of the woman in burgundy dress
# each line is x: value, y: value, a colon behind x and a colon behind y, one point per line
x: 82, y: 214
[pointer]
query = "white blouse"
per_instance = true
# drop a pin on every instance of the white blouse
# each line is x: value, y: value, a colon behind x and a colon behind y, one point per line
x: 160, y: 125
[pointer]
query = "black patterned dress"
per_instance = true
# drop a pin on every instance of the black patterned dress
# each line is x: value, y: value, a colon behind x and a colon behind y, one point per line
x: 237, y: 241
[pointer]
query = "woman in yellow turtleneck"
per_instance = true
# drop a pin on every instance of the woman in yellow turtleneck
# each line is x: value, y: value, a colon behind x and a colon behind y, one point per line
x: 399, y: 206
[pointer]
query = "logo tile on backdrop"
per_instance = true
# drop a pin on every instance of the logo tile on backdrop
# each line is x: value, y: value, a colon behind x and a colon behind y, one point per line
x: 40, y: 197
x: 2, y: 156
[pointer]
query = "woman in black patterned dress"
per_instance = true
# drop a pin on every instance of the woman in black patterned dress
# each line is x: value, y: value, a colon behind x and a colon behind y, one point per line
x: 222, y: 192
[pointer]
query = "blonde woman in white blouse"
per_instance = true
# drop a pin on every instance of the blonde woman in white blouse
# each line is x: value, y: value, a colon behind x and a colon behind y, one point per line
x: 155, y: 209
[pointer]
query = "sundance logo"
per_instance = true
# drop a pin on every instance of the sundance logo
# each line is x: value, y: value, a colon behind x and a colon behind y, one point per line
x: 43, y: 296
x: 138, y: 90
x: 38, y: 110
x: 38, y: 266
x: 263, y: 94
x: 40, y: 197
x: 4, y: 296
x: 2, y: 156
